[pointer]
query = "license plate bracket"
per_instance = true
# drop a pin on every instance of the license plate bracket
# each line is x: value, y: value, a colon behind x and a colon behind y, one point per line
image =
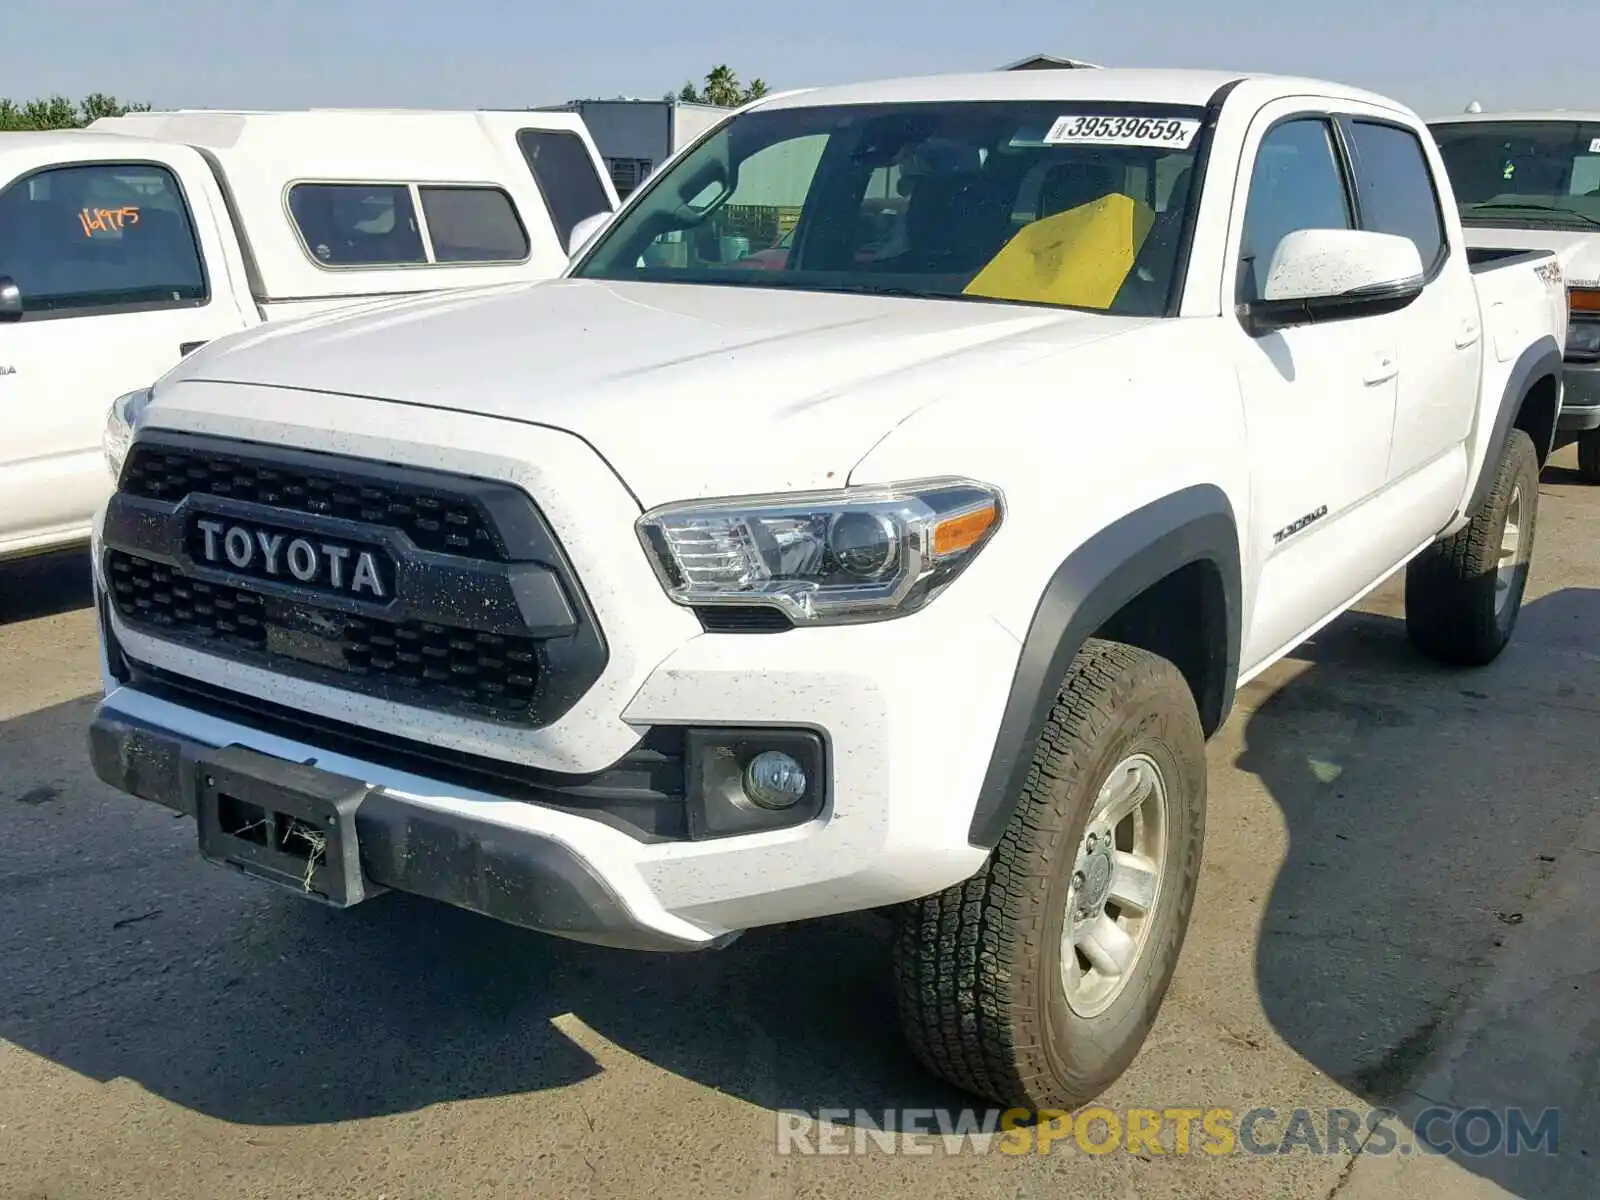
x: 288, y: 823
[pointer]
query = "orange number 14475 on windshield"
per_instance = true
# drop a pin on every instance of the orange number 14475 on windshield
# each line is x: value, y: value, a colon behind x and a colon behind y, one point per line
x: 104, y: 220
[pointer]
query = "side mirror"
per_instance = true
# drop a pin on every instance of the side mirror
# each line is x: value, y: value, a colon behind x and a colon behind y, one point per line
x: 1335, y: 275
x: 584, y: 231
x: 10, y: 299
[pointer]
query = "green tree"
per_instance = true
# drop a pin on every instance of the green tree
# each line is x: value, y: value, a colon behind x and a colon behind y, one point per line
x: 722, y: 89
x: 58, y: 112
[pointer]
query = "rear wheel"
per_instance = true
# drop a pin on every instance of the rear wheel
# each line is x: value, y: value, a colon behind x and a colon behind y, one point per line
x: 1035, y: 982
x: 1589, y: 456
x: 1463, y: 594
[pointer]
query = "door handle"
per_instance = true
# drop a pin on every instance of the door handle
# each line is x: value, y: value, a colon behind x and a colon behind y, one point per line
x: 1467, y: 334
x: 1383, y: 367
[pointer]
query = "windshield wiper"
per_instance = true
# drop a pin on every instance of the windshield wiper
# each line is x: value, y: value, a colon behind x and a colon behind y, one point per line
x: 1554, y: 210
x: 854, y: 289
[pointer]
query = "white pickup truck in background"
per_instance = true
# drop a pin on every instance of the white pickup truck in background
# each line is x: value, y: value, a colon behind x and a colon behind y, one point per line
x: 126, y: 246
x: 1532, y: 180
x: 911, y: 569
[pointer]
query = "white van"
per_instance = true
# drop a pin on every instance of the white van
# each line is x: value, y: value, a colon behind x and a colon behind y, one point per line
x: 125, y: 246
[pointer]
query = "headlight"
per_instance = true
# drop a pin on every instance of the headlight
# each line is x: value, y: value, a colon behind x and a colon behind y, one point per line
x: 120, y: 421
x: 859, y: 554
x: 1583, y: 338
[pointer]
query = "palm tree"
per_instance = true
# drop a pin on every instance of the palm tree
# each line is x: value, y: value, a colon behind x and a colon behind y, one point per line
x: 722, y: 87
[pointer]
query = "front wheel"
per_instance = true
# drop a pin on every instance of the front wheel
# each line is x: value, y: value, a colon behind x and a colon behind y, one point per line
x: 1035, y: 982
x: 1463, y: 594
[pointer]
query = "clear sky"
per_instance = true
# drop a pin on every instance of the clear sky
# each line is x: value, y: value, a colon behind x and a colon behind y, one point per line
x: 1433, y: 54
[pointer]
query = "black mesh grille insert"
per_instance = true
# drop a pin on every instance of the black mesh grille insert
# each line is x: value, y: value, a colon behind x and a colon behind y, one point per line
x: 448, y: 669
x: 435, y: 520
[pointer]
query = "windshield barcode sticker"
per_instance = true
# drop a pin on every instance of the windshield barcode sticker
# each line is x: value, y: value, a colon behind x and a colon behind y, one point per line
x: 1594, y: 146
x: 1172, y: 132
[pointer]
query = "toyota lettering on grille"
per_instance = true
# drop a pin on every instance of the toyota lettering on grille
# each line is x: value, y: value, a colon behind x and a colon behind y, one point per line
x: 310, y: 561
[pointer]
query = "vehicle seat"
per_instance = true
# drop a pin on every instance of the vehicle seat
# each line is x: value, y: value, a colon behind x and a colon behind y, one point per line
x: 1072, y: 185
x: 162, y: 250
x: 1538, y: 177
x: 1145, y: 288
x: 953, y: 223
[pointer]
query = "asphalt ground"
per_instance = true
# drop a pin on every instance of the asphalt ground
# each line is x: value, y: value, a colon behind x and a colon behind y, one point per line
x: 1396, y: 910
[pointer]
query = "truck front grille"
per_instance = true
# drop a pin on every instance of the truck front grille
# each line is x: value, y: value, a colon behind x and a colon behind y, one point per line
x: 432, y: 518
x: 461, y: 671
x: 481, y: 614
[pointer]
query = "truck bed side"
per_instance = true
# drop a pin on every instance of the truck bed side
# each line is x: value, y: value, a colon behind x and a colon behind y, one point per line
x: 1522, y: 304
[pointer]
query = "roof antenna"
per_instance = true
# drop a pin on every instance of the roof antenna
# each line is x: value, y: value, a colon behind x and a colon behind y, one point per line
x: 1474, y: 107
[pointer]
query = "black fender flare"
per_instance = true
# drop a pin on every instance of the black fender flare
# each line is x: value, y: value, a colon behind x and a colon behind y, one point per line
x: 1097, y: 579
x: 1542, y: 358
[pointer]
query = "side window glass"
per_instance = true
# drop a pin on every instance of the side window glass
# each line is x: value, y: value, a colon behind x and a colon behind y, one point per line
x: 98, y: 236
x: 1396, y: 189
x: 1296, y: 184
x: 357, y: 224
x: 472, y: 225
x: 566, y: 177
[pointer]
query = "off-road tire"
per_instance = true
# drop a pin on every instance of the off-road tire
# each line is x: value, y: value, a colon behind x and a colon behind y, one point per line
x: 1589, y: 456
x: 977, y: 966
x: 1450, y: 587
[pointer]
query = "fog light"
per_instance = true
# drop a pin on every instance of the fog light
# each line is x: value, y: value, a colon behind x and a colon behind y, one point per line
x: 775, y: 780
x: 740, y: 781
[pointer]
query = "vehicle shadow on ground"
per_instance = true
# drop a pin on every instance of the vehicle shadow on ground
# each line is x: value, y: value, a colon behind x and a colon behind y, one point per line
x: 1424, y: 808
x: 127, y: 956
x: 44, y: 586
x: 1568, y: 475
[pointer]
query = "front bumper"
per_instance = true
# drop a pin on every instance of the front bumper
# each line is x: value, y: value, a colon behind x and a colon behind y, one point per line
x: 512, y: 875
x: 1580, y: 404
x: 907, y: 709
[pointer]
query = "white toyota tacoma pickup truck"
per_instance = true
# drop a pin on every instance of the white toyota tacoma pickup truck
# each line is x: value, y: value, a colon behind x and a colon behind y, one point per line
x: 908, y: 566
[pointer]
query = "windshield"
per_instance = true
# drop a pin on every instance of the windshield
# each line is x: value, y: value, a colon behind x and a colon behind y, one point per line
x: 1034, y: 203
x: 1527, y: 174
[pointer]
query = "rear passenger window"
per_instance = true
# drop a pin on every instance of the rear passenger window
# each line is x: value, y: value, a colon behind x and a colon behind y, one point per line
x: 566, y: 177
x: 1396, y: 189
x: 357, y: 224
x: 99, y: 236
x: 1296, y: 184
x: 472, y: 224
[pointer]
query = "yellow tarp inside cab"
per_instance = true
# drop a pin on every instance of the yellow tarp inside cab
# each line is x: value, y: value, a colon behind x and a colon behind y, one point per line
x: 1078, y: 257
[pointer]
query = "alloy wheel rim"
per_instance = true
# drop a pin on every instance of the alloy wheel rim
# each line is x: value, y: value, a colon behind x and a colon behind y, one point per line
x: 1117, y: 885
x: 1510, y: 560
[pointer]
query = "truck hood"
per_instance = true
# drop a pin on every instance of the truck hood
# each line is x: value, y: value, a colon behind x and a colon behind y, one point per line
x: 1579, y: 252
x: 688, y: 391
